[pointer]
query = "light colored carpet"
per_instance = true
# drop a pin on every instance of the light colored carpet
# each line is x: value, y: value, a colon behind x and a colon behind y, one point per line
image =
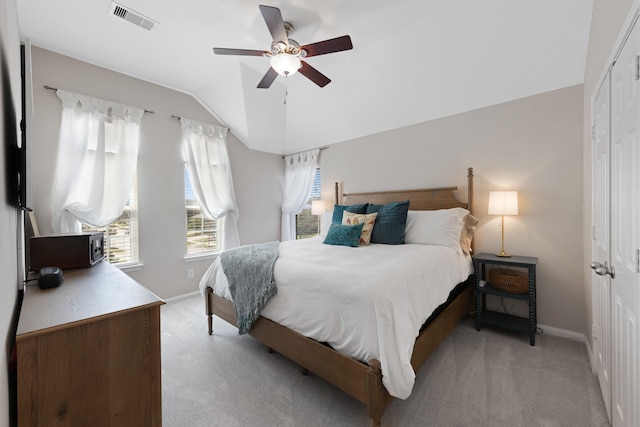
x: 487, y: 378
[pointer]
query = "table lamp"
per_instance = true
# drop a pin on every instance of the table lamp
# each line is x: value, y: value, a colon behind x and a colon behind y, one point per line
x: 503, y: 203
x: 317, y: 208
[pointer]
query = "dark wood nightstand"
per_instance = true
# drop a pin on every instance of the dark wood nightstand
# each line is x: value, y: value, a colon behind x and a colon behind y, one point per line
x: 504, y: 320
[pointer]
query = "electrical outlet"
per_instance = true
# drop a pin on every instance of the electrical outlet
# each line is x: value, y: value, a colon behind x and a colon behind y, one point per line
x: 190, y: 273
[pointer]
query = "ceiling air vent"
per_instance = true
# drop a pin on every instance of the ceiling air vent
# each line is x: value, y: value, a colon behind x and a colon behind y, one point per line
x: 131, y: 15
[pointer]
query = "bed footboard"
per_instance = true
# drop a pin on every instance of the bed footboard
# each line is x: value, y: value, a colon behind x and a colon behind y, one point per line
x: 359, y: 380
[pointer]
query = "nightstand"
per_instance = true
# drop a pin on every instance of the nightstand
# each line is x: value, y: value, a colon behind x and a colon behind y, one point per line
x: 504, y: 320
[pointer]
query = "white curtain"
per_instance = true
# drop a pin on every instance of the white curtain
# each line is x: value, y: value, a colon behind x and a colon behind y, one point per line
x: 96, y: 164
x: 205, y: 154
x: 300, y: 171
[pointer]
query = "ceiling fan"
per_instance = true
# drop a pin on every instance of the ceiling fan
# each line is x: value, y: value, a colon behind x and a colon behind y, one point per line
x: 286, y: 54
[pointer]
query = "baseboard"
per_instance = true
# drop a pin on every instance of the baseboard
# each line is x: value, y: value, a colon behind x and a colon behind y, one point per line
x: 563, y: 333
x: 181, y: 297
x: 575, y: 336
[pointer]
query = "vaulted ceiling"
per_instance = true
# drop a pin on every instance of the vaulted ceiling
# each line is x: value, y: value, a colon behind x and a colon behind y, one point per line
x: 412, y: 60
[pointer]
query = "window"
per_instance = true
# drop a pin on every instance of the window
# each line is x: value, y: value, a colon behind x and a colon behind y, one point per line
x: 121, y: 235
x: 97, y: 155
x: 308, y: 225
x: 202, y: 232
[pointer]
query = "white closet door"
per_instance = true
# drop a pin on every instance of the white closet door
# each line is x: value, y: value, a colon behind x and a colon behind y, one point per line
x: 601, y: 285
x: 625, y: 233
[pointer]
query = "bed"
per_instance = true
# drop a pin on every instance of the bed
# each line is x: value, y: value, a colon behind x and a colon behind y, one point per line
x: 342, y: 363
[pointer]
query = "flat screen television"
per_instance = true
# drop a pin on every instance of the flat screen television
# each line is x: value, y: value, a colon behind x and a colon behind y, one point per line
x: 9, y: 125
x: 24, y: 148
x: 16, y: 140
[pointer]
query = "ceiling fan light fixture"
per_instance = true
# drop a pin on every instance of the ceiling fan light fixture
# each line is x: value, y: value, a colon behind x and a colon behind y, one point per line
x: 285, y: 64
x: 286, y: 55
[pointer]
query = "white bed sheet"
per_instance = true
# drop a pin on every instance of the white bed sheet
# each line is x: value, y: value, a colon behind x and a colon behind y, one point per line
x: 366, y: 302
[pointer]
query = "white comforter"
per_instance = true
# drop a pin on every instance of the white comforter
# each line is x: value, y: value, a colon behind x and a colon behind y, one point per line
x: 366, y: 302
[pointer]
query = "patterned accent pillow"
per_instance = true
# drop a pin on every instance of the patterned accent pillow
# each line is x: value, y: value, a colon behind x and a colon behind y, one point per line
x: 391, y: 222
x: 344, y: 235
x: 360, y: 208
x: 367, y: 219
x: 468, y: 230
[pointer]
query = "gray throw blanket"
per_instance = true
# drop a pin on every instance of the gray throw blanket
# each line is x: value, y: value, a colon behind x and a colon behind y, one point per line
x: 249, y: 271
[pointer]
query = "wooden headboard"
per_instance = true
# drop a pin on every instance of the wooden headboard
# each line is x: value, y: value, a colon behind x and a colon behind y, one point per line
x: 419, y: 200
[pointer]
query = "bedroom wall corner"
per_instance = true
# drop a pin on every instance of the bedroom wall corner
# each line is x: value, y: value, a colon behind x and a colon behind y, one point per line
x: 257, y: 177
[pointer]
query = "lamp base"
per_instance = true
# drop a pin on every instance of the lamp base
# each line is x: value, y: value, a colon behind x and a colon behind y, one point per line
x: 503, y: 254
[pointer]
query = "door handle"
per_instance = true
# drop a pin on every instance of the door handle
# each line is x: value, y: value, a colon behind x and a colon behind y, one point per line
x: 603, y: 269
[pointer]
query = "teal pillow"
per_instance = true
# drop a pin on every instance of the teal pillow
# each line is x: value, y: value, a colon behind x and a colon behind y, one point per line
x: 344, y: 235
x: 338, y: 210
x: 390, y: 223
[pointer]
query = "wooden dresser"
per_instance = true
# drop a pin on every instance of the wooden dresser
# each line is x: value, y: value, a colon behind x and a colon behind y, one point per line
x: 89, y: 352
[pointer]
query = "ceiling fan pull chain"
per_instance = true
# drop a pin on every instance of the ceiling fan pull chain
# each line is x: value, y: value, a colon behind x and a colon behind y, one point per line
x: 286, y: 89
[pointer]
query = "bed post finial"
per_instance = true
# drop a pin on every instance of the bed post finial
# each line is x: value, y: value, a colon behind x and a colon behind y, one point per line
x: 470, y: 201
x: 470, y: 190
x: 337, y: 193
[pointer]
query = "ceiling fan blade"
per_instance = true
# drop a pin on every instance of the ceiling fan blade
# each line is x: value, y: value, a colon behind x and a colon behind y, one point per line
x: 268, y: 78
x: 273, y: 18
x: 245, y: 52
x: 328, y: 46
x: 314, y: 75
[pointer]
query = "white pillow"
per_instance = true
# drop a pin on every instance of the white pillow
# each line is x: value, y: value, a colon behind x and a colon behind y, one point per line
x: 441, y: 227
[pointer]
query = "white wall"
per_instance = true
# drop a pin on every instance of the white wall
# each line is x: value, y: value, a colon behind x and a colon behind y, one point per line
x: 257, y: 175
x: 533, y: 145
x: 10, y: 100
x: 606, y: 23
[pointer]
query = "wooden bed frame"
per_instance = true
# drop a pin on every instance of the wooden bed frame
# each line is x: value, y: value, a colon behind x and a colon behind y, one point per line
x: 360, y: 380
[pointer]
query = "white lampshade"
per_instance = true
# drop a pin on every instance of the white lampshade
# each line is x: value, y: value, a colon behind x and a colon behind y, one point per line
x: 503, y: 203
x: 317, y: 207
x: 285, y: 64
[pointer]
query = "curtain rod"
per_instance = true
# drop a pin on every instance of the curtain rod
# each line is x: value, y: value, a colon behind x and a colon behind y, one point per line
x: 55, y: 89
x: 299, y: 152
x: 173, y: 116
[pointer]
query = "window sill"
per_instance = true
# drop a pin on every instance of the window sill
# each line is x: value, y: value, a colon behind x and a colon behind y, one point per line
x: 200, y: 257
x: 129, y: 267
